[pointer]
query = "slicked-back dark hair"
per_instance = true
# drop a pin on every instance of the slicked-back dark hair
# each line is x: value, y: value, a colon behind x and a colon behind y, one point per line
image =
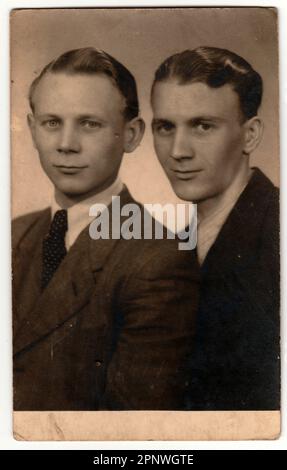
x: 215, y: 67
x: 90, y: 61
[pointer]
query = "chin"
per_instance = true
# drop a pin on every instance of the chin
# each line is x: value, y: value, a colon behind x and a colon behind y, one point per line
x: 78, y: 191
x: 71, y: 186
x: 186, y: 193
x: 72, y: 191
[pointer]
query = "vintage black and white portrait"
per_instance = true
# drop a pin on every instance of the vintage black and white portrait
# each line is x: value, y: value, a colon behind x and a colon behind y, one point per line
x: 145, y: 207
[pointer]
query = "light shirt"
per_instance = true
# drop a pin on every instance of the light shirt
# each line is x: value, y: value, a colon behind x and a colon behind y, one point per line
x: 78, y: 215
x: 209, y: 227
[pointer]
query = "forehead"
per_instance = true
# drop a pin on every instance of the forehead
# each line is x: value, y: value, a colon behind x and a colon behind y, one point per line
x: 81, y: 93
x: 171, y: 100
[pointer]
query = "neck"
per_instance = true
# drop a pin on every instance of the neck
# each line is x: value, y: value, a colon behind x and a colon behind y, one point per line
x: 210, y: 206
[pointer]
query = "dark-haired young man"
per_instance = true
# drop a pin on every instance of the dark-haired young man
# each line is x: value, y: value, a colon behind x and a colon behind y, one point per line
x: 205, y: 127
x: 98, y: 324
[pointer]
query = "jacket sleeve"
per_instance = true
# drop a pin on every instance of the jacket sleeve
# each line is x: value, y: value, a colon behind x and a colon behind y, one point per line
x: 156, y: 315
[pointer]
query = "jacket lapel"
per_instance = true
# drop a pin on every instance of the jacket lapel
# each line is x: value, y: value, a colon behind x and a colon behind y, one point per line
x: 70, y: 288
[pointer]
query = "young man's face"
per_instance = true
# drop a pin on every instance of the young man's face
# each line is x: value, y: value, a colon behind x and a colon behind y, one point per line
x: 79, y: 130
x: 199, y: 137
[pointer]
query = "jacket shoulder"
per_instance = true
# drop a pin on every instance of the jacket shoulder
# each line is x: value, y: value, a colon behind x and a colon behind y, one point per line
x: 270, y: 206
x: 262, y: 189
x: 22, y: 224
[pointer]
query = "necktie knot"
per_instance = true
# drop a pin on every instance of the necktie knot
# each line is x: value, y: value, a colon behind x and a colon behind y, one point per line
x: 59, y: 224
x: 54, y: 249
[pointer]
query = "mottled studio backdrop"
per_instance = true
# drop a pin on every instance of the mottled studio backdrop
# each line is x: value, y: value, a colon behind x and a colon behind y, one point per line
x: 141, y: 39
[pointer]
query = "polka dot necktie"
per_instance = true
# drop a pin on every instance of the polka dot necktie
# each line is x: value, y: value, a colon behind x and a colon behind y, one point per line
x: 54, y: 249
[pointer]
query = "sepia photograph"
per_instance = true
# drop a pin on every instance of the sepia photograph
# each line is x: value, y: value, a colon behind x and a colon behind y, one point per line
x: 145, y: 223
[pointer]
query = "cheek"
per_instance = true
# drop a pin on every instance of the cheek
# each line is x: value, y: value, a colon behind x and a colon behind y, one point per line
x: 221, y: 152
x: 162, y: 148
x: 103, y: 146
x: 44, y: 142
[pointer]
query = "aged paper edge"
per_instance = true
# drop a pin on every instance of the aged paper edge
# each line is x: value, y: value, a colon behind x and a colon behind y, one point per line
x: 146, y: 425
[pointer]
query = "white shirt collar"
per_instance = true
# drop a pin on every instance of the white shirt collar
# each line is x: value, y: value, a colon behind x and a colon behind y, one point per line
x: 78, y: 215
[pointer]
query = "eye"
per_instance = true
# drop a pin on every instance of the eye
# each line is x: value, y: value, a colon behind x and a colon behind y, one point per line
x: 162, y: 127
x: 51, y: 123
x: 90, y: 124
x: 203, y: 127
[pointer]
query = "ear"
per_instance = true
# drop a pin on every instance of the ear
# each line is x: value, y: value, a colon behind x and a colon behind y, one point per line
x: 31, y: 124
x: 134, y: 132
x: 253, y: 134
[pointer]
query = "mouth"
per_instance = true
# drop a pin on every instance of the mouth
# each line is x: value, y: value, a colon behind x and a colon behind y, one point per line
x: 69, y: 169
x: 186, y: 174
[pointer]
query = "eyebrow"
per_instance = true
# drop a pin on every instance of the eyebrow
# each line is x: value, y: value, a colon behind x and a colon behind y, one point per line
x: 79, y: 117
x: 160, y: 121
x: 47, y: 115
x: 191, y: 121
x: 206, y: 117
x: 89, y: 116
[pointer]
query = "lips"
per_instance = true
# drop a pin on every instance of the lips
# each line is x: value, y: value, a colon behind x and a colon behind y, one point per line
x: 185, y: 174
x: 71, y: 166
x: 69, y: 169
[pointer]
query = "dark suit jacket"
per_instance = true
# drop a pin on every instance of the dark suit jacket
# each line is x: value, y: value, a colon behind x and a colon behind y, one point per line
x: 111, y: 330
x: 235, y: 365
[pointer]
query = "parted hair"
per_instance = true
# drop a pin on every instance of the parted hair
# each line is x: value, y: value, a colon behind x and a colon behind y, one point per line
x: 90, y: 60
x: 215, y: 67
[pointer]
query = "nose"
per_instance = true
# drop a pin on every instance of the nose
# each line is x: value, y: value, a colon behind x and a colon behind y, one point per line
x: 181, y: 146
x: 69, y: 141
